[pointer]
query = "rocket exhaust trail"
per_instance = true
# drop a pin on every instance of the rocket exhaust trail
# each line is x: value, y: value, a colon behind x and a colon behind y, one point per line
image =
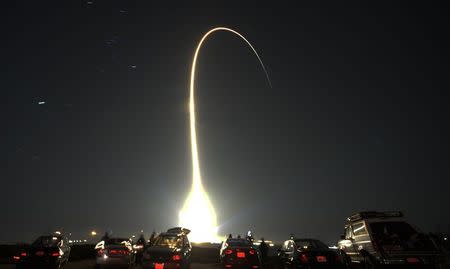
x: 198, y: 214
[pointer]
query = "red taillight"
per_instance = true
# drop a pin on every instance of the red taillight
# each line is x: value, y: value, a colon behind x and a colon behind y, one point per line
x: 176, y: 257
x: 304, y: 258
x: 251, y: 252
x: 55, y: 254
x: 100, y: 252
x: 228, y: 251
x: 228, y: 265
x: 412, y: 260
x: 23, y: 254
x: 240, y: 254
x: 321, y: 258
x: 255, y: 266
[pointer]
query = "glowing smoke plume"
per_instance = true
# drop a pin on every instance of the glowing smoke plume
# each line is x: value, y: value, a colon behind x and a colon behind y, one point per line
x: 198, y: 213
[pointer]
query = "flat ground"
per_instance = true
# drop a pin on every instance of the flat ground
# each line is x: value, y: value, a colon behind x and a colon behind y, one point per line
x: 89, y: 264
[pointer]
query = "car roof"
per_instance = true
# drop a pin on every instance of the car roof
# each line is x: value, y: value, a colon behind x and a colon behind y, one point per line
x: 171, y: 234
x: 374, y: 214
x: 237, y: 239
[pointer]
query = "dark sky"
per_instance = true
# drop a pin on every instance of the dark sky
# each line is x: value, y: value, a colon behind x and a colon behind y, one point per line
x: 357, y: 118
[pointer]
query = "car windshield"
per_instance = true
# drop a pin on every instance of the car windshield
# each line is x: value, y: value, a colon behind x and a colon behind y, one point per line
x: 171, y: 241
x: 310, y: 244
x: 116, y: 241
x: 398, y: 235
x: 46, y: 241
x: 239, y: 243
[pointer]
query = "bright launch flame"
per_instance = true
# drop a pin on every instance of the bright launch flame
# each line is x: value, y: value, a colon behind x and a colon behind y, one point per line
x: 198, y: 213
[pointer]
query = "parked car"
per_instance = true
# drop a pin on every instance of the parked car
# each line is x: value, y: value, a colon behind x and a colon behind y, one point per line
x: 49, y: 251
x: 239, y: 253
x: 114, y: 251
x: 379, y: 239
x: 171, y: 249
x: 308, y: 253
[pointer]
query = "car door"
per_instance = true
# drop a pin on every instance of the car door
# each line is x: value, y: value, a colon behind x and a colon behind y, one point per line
x: 347, y: 245
x: 287, y: 252
x: 361, y: 241
x: 62, y: 247
x: 282, y: 254
x: 290, y: 251
x: 186, y: 248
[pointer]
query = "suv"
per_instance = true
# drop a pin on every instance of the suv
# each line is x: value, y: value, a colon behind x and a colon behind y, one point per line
x: 374, y: 239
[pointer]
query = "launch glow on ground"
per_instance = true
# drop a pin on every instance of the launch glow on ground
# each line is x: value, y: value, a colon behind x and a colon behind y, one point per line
x: 198, y: 213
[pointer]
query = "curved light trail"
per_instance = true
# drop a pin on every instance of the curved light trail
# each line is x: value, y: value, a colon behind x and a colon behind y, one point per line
x: 198, y: 213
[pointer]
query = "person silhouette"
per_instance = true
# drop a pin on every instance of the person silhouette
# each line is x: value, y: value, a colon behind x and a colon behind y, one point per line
x: 105, y: 237
x: 263, y: 248
x: 151, y: 240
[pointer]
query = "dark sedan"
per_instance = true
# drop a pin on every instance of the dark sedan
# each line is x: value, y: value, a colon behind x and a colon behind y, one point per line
x: 50, y: 251
x: 239, y: 253
x: 308, y: 253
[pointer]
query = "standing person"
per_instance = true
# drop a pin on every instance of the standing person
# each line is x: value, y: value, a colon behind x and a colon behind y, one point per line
x: 105, y: 237
x: 151, y: 240
x: 263, y: 249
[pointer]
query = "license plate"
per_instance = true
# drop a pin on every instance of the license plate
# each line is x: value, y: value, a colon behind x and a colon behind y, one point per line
x: 321, y: 259
x: 159, y: 265
x: 241, y: 254
x: 40, y: 253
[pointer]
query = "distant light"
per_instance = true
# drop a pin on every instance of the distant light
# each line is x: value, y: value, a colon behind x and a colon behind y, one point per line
x: 57, y: 232
x: 133, y: 236
x: 70, y: 241
x: 133, y: 66
x: 445, y: 238
x: 105, y: 256
x: 55, y: 238
x: 41, y: 103
x: 93, y: 233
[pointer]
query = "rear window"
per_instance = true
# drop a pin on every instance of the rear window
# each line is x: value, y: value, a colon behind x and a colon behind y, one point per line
x: 46, y: 241
x: 396, y: 236
x: 116, y: 241
x: 310, y: 244
x: 239, y: 243
x: 171, y: 241
x: 359, y: 229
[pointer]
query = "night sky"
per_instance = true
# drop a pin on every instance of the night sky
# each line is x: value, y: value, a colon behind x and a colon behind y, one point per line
x: 357, y: 118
